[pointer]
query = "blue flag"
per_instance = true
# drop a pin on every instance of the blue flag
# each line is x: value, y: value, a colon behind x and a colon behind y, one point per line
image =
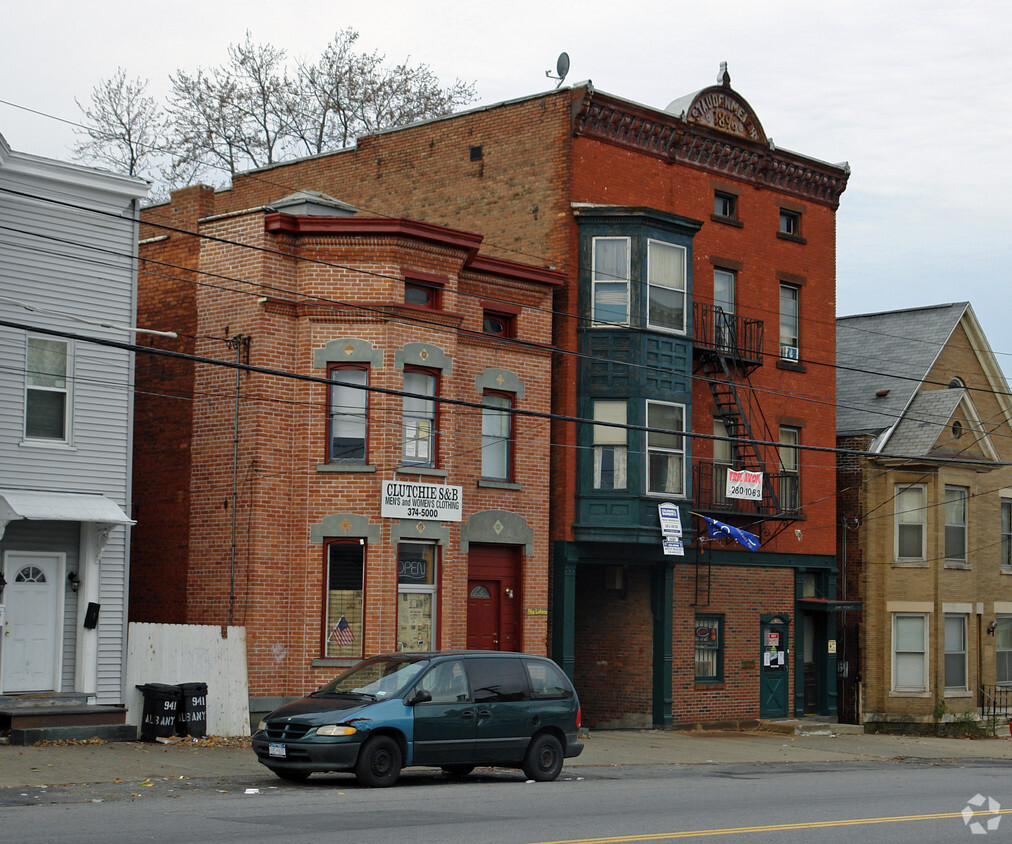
x: 742, y: 537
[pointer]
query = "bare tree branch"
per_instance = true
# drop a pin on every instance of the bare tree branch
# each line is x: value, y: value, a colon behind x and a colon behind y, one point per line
x: 123, y: 127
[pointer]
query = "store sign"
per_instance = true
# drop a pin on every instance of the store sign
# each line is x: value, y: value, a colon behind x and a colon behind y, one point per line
x: 439, y: 502
x: 744, y: 484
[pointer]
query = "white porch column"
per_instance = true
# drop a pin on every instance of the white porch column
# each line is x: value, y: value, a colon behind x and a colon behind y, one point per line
x: 94, y: 536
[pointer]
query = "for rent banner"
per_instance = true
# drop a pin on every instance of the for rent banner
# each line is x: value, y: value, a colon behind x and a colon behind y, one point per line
x: 744, y: 484
x: 402, y: 500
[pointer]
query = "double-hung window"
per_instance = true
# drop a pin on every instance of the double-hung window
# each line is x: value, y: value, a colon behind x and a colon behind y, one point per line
x: 723, y: 306
x: 349, y: 406
x: 910, y: 523
x: 665, y: 448
x: 1006, y: 535
x: 955, y: 523
x: 416, y: 596
x: 1003, y: 650
x: 344, y: 599
x: 789, y: 321
x: 610, y: 450
x: 47, y: 388
x: 419, y: 418
x: 665, y: 286
x: 610, y: 281
x: 955, y: 652
x: 790, y: 467
x: 910, y: 648
x: 496, y: 436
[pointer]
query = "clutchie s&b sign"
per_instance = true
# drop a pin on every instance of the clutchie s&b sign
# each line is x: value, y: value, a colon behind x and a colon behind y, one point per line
x: 402, y: 500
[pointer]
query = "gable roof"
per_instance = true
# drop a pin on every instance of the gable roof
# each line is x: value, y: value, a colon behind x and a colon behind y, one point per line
x: 882, y: 361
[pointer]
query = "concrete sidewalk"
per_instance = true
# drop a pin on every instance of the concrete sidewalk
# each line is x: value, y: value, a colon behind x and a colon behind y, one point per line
x: 138, y: 762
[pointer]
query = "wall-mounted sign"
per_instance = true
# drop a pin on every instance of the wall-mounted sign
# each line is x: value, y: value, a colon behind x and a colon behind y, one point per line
x: 537, y: 611
x: 671, y: 519
x: 403, y: 500
x: 744, y: 484
x: 673, y: 546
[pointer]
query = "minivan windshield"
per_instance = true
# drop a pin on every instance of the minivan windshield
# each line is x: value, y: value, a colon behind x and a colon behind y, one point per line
x: 374, y: 679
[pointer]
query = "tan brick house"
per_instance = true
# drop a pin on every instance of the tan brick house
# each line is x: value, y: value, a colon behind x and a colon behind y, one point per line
x: 380, y: 475
x: 925, y: 515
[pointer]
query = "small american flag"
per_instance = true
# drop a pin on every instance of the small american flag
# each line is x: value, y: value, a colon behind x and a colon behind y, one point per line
x: 342, y: 632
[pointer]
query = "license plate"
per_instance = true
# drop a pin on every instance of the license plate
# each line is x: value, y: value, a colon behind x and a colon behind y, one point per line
x: 277, y: 750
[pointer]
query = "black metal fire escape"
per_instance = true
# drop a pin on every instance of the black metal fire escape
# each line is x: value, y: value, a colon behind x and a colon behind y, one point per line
x: 727, y: 349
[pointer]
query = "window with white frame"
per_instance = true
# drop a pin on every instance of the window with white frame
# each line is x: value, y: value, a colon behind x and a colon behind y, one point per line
x: 349, y: 402
x: 723, y: 303
x: 610, y: 275
x: 789, y: 321
x: 48, y: 364
x: 1003, y: 650
x: 665, y: 286
x: 955, y: 523
x: 910, y: 649
x: 910, y: 523
x: 665, y: 448
x: 610, y: 445
x: 790, y: 468
x: 416, y: 596
x: 419, y: 418
x: 955, y: 652
x: 1006, y: 534
x: 496, y: 436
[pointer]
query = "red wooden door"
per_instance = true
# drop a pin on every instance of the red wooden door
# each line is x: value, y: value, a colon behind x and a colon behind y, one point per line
x: 494, y: 622
x: 483, y: 615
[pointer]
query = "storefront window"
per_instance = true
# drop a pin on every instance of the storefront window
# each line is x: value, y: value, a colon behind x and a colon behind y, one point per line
x: 416, y: 596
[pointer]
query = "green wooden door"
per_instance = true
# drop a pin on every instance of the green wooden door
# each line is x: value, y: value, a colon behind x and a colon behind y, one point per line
x: 774, y: 670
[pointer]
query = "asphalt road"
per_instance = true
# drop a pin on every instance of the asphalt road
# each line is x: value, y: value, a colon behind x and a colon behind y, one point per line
x: 888, y: 801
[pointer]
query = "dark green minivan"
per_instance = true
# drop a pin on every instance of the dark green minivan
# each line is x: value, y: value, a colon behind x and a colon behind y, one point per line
x: 454, y: 710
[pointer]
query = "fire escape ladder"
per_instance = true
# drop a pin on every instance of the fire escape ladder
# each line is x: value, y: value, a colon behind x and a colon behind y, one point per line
x: 702, y: 585
x: 733, y: 396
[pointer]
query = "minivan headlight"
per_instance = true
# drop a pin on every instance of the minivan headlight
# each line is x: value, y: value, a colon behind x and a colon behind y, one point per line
x: 335, y: 730
x: 262, y: 725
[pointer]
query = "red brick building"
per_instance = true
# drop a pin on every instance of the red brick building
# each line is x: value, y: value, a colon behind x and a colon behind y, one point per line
x: 696, y: 327
x: 367, y: 486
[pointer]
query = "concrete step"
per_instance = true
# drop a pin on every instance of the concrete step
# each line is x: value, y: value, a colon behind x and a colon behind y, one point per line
x: 38, y: 699
x: 49, y: 720
x: 83, y: 732
x: 809, y: 727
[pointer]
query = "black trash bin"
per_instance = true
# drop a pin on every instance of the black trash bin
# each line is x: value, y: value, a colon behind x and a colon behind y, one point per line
x: 192, y: 717
x: 161, y: 707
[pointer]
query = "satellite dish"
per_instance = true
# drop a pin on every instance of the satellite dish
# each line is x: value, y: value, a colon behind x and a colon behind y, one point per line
x: 561, y: 68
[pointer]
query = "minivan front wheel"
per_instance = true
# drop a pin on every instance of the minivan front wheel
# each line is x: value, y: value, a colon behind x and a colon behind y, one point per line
x: 543, y: 762
x: 379, y: 762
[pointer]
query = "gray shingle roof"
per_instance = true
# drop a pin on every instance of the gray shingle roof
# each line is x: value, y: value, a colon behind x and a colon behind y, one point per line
x: 882, y: 359
x: 924, y: 421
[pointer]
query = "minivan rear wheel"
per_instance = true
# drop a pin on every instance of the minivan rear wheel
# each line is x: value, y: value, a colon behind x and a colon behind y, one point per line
x: 379, y: 762
x: 543, y: 762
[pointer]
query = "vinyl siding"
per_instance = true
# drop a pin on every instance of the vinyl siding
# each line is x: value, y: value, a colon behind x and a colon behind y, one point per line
x: 68, y: 241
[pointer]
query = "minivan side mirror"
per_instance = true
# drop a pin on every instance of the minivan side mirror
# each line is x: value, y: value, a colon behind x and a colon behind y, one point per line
x: 420, y: 696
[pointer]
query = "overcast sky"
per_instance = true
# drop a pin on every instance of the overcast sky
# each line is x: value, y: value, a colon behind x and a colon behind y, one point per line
x: 916, y: 96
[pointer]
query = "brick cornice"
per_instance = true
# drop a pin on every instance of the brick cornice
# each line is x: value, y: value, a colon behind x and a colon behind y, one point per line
x: 674, y: 139
x: 277, y: 222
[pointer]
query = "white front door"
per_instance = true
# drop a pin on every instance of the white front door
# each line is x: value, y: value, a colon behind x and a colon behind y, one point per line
x: 32, y: 599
